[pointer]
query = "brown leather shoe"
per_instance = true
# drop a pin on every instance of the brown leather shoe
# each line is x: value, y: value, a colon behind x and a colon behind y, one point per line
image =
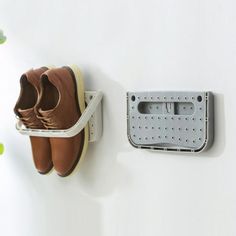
x: 24, y: 109
x: 60, y: 105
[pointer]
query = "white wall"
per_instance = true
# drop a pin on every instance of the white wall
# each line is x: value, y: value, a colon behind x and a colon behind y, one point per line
x: 125, y: 45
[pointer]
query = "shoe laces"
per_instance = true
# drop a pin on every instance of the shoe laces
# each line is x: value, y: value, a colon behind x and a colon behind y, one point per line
x: 30, y: 122
x: 48, y: 122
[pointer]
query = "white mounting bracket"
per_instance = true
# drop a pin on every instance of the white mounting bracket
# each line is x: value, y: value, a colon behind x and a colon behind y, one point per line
x: 92, y: 114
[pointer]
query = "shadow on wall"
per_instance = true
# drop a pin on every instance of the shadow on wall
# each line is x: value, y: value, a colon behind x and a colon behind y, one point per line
x: 101, y: 173
x: 219, y: 128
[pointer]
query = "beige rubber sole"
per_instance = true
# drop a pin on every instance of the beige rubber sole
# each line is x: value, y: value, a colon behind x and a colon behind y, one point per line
x: 50, y: 67
x: 81, y: 100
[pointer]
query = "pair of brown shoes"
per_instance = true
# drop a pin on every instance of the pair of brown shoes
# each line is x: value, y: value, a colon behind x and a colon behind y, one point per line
x: 53, y: 99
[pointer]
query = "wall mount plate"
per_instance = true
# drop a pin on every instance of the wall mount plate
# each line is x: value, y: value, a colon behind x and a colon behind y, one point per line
x: 170, y: 121
x: 91, y: 115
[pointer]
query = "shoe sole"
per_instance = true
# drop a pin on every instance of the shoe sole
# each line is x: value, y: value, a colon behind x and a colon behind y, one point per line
x: 81, y: 101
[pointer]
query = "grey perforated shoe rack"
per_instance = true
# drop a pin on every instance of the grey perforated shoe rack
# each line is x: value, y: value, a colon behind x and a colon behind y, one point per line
x: 170, y: 121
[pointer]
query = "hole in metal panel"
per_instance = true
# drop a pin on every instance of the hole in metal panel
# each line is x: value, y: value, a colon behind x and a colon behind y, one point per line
x: 174, y: 108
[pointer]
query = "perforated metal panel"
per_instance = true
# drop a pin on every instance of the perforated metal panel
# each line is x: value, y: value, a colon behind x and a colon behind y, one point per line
x: 95, y: 122
x: 170, y: 121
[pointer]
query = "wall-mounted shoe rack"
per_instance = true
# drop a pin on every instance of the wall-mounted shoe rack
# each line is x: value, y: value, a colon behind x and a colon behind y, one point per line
x: 170, y: 121
x: 91, y: 115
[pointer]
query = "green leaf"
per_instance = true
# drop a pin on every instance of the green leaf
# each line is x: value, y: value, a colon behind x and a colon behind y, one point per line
x: 2, y: 37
